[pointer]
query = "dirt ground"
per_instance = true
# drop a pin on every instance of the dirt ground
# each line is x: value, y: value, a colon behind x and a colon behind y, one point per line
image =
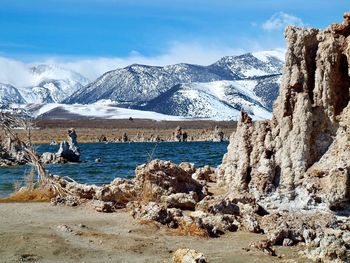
x: 39, y: 232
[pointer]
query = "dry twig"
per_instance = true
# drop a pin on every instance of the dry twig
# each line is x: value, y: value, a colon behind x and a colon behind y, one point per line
x: 11, y: 121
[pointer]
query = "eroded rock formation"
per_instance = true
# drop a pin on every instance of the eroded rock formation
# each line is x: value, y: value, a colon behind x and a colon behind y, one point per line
x: 179, y: 135
x: 11, y: 153
x: 68, y: 151
x: 301, y: 158
x: 218, y: 135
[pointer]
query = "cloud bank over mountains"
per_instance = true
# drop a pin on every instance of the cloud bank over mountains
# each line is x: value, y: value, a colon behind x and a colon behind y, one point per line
x: 17, y: 73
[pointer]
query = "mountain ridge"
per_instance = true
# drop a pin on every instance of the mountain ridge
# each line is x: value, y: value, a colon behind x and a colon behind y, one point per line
x: 147, y: 82
x: 247, y: 82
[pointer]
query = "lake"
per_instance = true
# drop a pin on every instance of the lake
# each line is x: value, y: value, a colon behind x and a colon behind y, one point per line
x: 118, y: 160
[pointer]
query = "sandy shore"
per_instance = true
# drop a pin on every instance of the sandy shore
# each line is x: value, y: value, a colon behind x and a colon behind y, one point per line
x: 35, y: 232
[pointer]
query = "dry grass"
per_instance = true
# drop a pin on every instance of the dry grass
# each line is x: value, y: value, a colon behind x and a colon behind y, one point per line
x: 191, y: 229
x: 29, y: 195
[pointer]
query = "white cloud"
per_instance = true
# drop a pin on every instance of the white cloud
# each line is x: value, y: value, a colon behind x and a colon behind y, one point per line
x: 14, y: 72
x: 18, y: 74
x: 281, y: 20
x: 177, y: 52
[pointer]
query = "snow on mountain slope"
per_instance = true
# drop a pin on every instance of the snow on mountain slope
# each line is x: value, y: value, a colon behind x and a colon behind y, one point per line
x: 138, y: 84
x: 98, y: 110
x: 44, y: 83
x: 266, y: 88
x: 56, y: 84
x: 251, y: 65
x: 219, y: 100
x: 36, y: 94
x: 9, y: 95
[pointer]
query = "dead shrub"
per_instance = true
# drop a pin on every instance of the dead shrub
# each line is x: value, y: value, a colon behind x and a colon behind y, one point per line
x: 191, y: 229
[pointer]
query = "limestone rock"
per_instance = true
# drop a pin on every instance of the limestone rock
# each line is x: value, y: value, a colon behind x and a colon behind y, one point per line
x: 82, y: 190
x: 181, y: 200
x: 68, y: 151
x: 218, y: 135
x: 11, y: 153
x: 328, y: 248
x: 64, y: 228
x: 120, y: 192
x: 186, y: 255
x: 125, y: 137
x: 103, y: 207
x: 179, y: 135
x: 300, y: 159
x: 48, y: 157
x: 188, y: 167
x: 163, y: 178
x: 69, y: 200
x: 159, y: 213
x: 215, y: 225
x: 205, y: 173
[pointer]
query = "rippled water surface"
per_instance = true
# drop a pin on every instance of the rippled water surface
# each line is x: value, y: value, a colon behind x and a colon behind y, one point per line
x: 118, y: 160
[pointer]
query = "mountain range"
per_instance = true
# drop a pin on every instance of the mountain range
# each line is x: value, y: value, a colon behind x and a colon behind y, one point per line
x: 218, y: 91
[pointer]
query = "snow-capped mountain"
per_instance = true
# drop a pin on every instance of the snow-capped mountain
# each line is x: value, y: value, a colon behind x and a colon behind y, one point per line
x: 251, y: 65
x: 219, y: 100
x: 44, y: 84
x: 9, y: 95
x: 52, y: 84
x: 136, y: 85
x: 248, y: 82
x: 139, y: 83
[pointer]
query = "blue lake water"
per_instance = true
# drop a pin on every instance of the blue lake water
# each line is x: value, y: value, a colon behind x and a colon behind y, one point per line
x: 118, y: 160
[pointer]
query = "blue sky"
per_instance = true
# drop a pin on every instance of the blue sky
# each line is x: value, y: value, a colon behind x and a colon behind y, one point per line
x: 157, y: 31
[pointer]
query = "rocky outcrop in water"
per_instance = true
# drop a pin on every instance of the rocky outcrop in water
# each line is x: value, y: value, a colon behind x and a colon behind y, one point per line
x: 179, y: 135
x: 218, y: 135
x: 68, y: 151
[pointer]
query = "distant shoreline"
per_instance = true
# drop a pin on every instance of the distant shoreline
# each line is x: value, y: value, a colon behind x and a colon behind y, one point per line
x: 91, y: 130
